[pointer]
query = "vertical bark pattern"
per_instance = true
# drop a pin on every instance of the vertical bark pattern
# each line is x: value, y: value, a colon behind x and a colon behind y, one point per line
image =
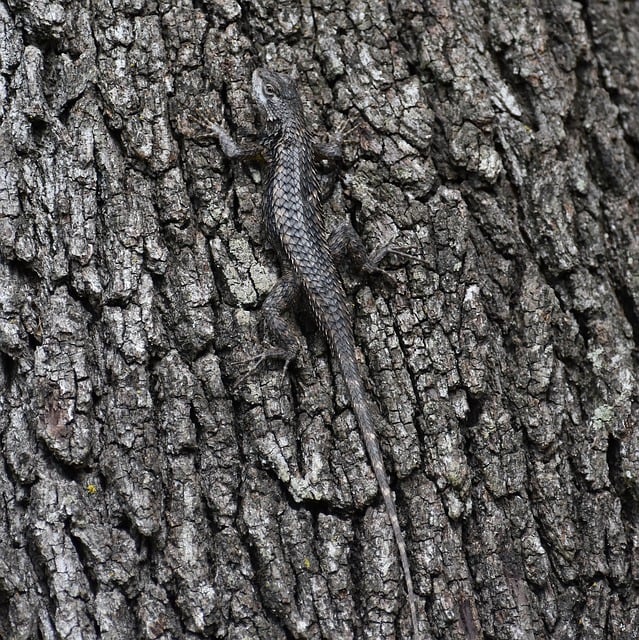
x: 143, y: 497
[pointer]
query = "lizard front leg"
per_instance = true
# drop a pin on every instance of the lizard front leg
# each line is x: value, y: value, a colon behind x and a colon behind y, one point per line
x: 281, y: 298
x: 332, y: 150
x: 230, y: 148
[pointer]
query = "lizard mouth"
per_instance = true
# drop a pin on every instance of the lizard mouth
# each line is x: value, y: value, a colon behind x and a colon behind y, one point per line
x: 258, y: 89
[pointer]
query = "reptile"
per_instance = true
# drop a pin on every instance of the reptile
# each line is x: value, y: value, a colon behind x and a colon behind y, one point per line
x: 293, y: 219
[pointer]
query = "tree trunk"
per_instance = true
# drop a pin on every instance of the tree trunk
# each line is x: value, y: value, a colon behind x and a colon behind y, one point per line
x: 145, y: 494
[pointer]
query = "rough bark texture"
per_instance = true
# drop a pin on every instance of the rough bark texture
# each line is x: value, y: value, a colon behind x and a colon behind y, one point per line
x: 143, y: 496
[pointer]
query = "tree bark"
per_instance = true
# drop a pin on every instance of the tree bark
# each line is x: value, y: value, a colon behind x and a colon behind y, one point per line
x: 145, y: 495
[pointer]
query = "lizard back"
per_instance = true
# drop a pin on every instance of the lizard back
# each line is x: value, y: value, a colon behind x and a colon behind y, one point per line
x: 293, y: 217
x: 292, y: 213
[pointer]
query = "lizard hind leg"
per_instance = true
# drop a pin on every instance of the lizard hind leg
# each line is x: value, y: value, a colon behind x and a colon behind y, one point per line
x: 281, y: 298
x: 345, y: 241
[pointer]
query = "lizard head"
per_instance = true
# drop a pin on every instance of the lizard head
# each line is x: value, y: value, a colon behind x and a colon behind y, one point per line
x: 276, y: 96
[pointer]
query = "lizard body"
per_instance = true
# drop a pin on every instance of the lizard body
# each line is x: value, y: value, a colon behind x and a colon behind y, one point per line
x: 292, y: 214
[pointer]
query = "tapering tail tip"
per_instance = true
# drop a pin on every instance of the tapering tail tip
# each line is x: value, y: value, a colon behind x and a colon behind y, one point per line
x: 362, y: 412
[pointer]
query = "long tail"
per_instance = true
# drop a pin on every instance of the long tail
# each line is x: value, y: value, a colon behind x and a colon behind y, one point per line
x: 359, y: 400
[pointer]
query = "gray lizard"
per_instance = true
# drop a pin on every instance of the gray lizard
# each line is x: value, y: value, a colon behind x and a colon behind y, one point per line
x: 293, y: 219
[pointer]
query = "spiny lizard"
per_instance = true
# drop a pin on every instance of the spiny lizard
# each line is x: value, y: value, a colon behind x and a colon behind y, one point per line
x: 293, y: 217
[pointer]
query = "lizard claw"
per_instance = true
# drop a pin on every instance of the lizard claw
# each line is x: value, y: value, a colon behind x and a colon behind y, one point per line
x: 404, y: 254
x: 211, y: 130
x: 229, y: 148
x: 372, y: 269
x: 345, y: 128
x: 260, y: 359
x: 372, y: 264
x: 389, y: 250
x: 203, y: 119
x: 287, y: 362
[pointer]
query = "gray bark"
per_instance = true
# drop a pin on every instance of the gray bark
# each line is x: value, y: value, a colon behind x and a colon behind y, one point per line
x: 144, y: 496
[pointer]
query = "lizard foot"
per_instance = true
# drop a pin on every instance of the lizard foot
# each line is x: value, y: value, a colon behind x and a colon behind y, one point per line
x: 371, y: 266
x: 258, y: 360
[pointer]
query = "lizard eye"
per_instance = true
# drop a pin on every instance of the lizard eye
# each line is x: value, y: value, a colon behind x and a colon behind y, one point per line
x: 270, y: 90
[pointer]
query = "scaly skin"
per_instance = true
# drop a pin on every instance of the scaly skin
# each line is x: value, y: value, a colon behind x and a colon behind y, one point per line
x: 293, y: 218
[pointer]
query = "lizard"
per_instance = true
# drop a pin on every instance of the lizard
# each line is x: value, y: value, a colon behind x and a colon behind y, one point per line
x: 293, y: 219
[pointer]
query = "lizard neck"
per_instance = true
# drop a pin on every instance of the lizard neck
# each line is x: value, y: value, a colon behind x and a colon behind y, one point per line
x: 293, y: 130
